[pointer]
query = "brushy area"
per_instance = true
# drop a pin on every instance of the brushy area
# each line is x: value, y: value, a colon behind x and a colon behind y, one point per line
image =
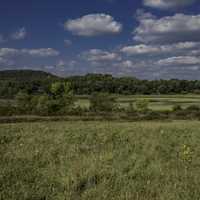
x: 100, y: 161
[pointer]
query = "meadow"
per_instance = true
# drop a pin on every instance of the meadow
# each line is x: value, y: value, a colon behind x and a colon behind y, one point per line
x: 100, y: 161
x: 156, y: 102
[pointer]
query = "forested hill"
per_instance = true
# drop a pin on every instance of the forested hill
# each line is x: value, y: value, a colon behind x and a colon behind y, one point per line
x: 34, y: 82
x: 13, y: 81
x: 25, y: 75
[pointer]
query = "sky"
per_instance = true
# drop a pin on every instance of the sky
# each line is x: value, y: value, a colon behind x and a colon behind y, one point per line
x: 147, y: 39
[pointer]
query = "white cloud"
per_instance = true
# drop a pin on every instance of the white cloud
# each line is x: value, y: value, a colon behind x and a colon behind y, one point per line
x: 169, y: 29
x: 6, y: 62
x: 180, y: 60
x: 43, y: 52
x: 7, y: 52
x: 140, y: 49
x: 127, y: 63
x: 181, y: 47
x: 167, y: 4
x: 93, y: 24
x: 98, y: 55
x: 19, y: 34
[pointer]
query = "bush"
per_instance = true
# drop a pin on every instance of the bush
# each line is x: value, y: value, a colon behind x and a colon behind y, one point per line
x: 193, y: 108
x: 142, y: 105
x: 6, y: 110
x: 41, y: 104
x: 102, y: 102
x: 176, y: 108
x: 23, y: 103
x: 131, y: 109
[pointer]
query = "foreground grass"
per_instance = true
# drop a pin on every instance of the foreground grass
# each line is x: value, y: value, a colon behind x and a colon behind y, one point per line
x: 100, y: 160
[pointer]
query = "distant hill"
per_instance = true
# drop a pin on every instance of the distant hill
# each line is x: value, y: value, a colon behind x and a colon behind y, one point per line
x: 26, y: 76
x: 33, y: 82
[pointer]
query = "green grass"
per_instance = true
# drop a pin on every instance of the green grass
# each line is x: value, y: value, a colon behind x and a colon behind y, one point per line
x: 100, y: 161
x: 156, y: 102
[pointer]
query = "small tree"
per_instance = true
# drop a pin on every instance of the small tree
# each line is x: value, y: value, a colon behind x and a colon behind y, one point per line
x: 102, y: 102
x: 62, y: 98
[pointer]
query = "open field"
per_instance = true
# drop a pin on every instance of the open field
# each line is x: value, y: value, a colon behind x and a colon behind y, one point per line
x: 100, y: 160
x: 156, y: 102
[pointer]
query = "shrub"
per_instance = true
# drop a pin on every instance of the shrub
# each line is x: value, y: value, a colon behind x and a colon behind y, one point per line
x: 41, y: 104
x: 176, y: 108
x: 142, y: 105
x: 6, y: 110
x: 102, y: 102
x: 193, y: 108
x: 23, y: 102
x: 131, y: 109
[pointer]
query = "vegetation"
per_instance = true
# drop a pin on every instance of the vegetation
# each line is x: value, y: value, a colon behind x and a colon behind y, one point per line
x: 100, y: 160
x: 34, y: 82
x: 102, y: 102
x: 92, y: 155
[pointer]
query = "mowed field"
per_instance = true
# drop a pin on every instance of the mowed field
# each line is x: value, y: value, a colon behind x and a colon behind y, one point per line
x: 100, y: 161
x: 156, y: 102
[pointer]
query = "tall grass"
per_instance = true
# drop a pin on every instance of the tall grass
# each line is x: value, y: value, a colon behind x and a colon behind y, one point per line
x: 100, y: 161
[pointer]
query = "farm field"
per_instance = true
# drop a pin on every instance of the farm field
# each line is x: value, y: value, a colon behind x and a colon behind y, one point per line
x: 156, y: 102
x: 100, y: 160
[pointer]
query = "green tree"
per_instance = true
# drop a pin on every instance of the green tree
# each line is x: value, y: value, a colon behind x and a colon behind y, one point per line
x: 62, y: 98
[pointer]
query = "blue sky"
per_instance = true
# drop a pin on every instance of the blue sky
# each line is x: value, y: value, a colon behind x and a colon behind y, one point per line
x: 150, y: 39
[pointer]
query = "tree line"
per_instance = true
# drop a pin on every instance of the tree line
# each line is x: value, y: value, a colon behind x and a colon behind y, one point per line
x: 12, y: 82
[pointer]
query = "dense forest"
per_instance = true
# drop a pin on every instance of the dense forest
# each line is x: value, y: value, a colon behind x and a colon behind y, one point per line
x: 37, y: 82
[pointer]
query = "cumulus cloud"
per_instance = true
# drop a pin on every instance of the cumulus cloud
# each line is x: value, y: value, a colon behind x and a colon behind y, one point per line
x: 43, y: 52
x: 93, y: 24
x: 127, y: 63
x: 140, y: 49
x: 98, y: 55
x: 8, y: 52
x: 168, y: 29
x: 180, y: 60
x: 167, y: 4
x: 19, y: 34
x: 182, y: 47
x: 4, y: 61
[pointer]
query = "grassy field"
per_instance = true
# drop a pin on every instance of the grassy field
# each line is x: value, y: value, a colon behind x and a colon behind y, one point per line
x: 100, y: 161
x: 156, y: 102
